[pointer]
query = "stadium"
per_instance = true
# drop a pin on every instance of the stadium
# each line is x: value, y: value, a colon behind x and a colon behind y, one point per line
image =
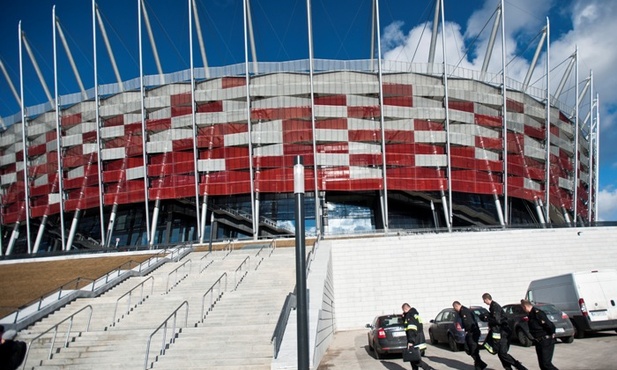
x: 207, y: 154
x: 425, y: 182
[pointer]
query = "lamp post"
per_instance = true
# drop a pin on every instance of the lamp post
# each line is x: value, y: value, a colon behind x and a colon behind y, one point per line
x: 302, y: 310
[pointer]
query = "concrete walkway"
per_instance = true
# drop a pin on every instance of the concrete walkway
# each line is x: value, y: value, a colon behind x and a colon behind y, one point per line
x: 349, y: 350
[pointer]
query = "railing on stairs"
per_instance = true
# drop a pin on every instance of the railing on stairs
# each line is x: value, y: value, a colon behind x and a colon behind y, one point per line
x: 129, y: 296
x: 164, y: 325
x: 70, y: 319
x: 271, y: 246
x: 206, y: 263
x: 242, y: 270
x: 178, y: 277
x: 213, y: 299
x: 281, y: 324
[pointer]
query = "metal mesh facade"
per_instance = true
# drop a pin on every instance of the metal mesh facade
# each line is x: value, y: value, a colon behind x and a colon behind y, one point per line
x: 360, y: 138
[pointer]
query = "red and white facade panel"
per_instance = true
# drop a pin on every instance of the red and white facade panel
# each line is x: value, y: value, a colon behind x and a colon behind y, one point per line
x: 347, y: 137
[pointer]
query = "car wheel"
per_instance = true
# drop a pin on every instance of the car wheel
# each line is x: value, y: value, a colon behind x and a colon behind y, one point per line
x: 370, y: 345
x: 423, y: 353
x: 431, y: 338
x: 578, y: 333
x: 523, y: 339
x: 569, y: 339
x: 378, y: 355
x: 452, y: 343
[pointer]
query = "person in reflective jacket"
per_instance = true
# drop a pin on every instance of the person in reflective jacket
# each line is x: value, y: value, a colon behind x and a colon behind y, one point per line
x: 415, y: 334
x: 472, y: 334
x: 500, y: 332
x: 542, y: 331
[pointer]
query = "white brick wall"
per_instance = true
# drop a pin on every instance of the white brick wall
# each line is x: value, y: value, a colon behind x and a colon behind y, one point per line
x: 374, y: 276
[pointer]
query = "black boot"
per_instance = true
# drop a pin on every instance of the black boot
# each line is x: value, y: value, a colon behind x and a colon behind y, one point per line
x: 519, y: 366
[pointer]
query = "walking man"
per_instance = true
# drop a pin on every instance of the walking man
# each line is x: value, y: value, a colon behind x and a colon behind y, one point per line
x: 415, y: 334
x: 542, y: 331
x: 472, y: 334
x: 500, y: 332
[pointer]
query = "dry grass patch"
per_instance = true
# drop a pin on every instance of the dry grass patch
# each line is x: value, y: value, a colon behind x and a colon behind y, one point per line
x: 22, y: 283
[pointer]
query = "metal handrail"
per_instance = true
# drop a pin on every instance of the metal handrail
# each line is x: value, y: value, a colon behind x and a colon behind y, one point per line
x: 244, y: 262
x: 228, y: 248
x: 164, y: 325
x: 212, y: 300
x: 130, y: 294
x: 58, y: 290
x: 270, y: 246
x: 53, y: 341
x: 175, y: 271
x: 281, y: 324
x: 201, y: 269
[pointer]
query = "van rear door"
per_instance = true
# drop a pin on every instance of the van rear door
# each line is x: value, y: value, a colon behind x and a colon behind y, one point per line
x: 608, y: 282
x: 590, y: 289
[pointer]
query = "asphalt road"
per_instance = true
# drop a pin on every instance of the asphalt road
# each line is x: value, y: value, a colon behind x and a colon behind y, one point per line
x: 349, y: 350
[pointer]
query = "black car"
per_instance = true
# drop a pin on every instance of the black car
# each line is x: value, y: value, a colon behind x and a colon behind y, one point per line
x: 387, y: 335
x: 446, y: 327
x: 517, y: 321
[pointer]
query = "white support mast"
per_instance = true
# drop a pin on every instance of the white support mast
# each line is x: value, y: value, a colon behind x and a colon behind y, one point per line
x: 504, y: 90
x: 248, y: 116
x: 576, y: 133
x: 200, y: 38
x: 69, y: 54
x: 447, y: 207
x: 36, y: 67
x: 112, y: 58
x: 431, y: 53
x: 534, y: 61
x: 249, y: 20
x: 97, y: 102
x: 547, y: 125
x: 590, y: 184
x: 491, y: 42
x: 24, y: 138
x: 194, y: 126
x: 564, y: 79
x: 597, y: 179
x: 152, y: 42
x: 11, y: 85
x: 384, y: 176
x: 143, y: 126
x: 318, y: 210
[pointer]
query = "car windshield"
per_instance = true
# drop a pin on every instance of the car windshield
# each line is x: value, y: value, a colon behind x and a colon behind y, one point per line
x: 479, y: 311
x: 549, y: 309
x: 390, y: 321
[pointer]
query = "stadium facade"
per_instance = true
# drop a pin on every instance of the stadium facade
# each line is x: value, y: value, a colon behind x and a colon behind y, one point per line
x: 206, y: 154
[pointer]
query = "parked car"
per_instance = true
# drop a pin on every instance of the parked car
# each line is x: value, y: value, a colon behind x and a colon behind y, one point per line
x: 447, y: 327
x: 517, y: 321
x: 387, y: 335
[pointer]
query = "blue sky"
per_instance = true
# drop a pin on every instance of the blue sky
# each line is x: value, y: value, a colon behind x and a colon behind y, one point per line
x: 342, y: 30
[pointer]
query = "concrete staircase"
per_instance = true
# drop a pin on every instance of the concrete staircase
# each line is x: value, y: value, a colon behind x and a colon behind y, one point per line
x: 235, y: 333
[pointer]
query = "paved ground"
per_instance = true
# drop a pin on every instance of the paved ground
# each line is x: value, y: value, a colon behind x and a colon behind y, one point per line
x: 349, y: 350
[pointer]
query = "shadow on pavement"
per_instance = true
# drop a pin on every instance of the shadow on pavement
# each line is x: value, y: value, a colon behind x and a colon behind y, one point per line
x: 450, y: 363
x: 393, y: 366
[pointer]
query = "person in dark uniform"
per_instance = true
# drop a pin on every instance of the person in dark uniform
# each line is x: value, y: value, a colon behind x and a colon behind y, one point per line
x: 500, y: 332
x: 415, y: 334
x: 542, y: 331
x: 472, y: 334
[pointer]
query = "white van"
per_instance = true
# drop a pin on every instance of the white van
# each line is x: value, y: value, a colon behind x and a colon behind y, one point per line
x: 589, y: 298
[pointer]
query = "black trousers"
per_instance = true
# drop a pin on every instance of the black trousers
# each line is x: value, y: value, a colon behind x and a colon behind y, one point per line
x: 544, y: 349
x: 506, y: 359
x: 471, y: 342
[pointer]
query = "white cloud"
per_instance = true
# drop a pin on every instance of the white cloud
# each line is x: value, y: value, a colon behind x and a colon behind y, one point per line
x: 607, y: 204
